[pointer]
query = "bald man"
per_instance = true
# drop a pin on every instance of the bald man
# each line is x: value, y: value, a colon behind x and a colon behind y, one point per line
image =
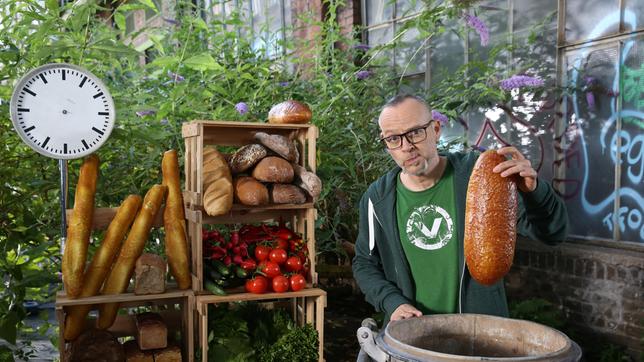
x: 409, y: 252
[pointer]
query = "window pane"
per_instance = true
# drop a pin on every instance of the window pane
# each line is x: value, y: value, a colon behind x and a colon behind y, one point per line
x: 408, y: 7
x: 382, y: 36
x: 447, y: 55
x: 529, y: 13
x: 413, y: 84
x: 589, y: 188
x: 631, y: 213
x: 274, y: 27
x: 634, y: 11
x: 259, y: 24
x: 379, y: 11
x: 411, y: 55
x: 590, y: 19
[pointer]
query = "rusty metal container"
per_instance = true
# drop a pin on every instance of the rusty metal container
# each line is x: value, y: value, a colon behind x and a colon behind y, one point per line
x: 469, y: 337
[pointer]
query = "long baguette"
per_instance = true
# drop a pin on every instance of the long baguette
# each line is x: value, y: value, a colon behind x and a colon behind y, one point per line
x: 101, y: 264
x: 174, y: 223
x: 80, y: 228
x: 132, y: 248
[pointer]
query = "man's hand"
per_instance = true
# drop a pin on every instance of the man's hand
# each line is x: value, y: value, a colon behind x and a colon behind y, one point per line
x: 405, y: 311
x: 517, y: 165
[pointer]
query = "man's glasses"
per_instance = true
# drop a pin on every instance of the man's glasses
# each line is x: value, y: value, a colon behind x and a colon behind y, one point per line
x: 413, y: 136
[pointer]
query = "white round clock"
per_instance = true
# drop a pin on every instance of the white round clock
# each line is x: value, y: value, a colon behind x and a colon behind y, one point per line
x: 62, y: 111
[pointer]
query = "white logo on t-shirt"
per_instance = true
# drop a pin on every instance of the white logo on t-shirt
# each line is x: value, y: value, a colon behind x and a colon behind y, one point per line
x: 434, y: 237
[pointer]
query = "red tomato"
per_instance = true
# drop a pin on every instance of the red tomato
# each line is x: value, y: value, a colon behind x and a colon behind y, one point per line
x: 278, y: 255
x: 281, y: 244
x: 293, y: 264
x: 257, y: 285
x: 261, y: 252
x: 270, y: 268
x: 280, y: 284
x: 298, y: 282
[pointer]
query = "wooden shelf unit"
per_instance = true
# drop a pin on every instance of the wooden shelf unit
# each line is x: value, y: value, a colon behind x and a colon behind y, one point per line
x: 175, y: 306
x: 307, y: 305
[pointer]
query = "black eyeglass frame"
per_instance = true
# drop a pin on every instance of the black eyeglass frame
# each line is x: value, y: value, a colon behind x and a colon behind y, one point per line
x: 401, y: 135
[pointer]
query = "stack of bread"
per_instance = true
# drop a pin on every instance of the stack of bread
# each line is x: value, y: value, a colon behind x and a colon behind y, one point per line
x: 260, y: 173
x: 117, y: 257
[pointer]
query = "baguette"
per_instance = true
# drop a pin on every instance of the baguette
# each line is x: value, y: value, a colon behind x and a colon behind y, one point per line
x: 119, y: 278
x: 101, y: 264
x: 80, y: 228
x: 176, y: 246
x: 490, y: 221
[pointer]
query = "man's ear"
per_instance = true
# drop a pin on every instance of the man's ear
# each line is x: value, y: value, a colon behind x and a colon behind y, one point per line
x: 437, y: 128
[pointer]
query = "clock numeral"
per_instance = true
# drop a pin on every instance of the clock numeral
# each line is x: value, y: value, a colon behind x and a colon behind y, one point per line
x: 97, y: 130
x: 44, y: 142
x: 85, y: 144
x: 98, y: 95
x: 28, y: 91
x: 82, y: 82
x: 29, y: 129
x: 64, y: 147
x: 103, y: 113
x: 23, y: 109
x: 44, y: 80
x: 63, y: 73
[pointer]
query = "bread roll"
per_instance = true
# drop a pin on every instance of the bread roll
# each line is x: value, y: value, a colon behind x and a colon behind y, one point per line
x: 273, y: 169
x: 95, y: 346
x: 249, y: 191
x: 307, y: 180
x: 169, y: 354
x: 287, y: 194
x: 290, y: 111
x: 246, y: 157
x: 134, y: 354
x: 280, y: 145
x: 101, y: 264
x: 490, y: 220
x: 218, y: 183
x: 174, y: 222
x: 79, y: 228
x: 119, y: 278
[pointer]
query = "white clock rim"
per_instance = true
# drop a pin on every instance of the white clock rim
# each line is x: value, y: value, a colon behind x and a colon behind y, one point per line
x: 13, y: 110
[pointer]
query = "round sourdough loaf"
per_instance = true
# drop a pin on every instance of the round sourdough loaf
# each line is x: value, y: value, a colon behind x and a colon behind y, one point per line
x: 290, y: 111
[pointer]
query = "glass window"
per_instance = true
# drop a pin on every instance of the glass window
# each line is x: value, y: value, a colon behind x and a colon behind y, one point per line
x: 447, y: 55
x: 591, y: 19
x: 529, y: 13
x: 411, y: 56
x: 379, y: 11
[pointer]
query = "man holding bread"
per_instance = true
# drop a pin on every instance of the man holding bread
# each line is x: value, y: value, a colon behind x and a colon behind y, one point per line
x: 409, y: 252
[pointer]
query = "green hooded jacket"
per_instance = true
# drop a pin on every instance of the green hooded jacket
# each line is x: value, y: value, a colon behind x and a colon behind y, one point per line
x: 380, y: 266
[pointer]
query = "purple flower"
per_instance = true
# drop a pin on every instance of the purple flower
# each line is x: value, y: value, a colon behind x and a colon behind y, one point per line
x: 479, y: 148
x: 176, y: 77
x: 590, y: 99
x: 363, y: 74
x: 283, y: 84
x: 441, y: 118
x: 478, y: 25
x: 241, y: 107
x: 163, y: 121
x: 147, y: 112
x: 520, y: 81
x: 364, y: 47
x: 171, y: 21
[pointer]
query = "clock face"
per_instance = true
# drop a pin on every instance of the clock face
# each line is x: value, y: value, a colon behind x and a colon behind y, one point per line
x: 62, y: 111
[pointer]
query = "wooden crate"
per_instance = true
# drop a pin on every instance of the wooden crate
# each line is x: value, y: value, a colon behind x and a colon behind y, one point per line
x: 307, y: 306
x: 175, y: 306
x: 179, y: 318
x: 198, y: 134
x: 302, y: 221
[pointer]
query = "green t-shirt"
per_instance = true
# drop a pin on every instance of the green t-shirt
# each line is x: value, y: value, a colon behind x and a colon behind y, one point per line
x: 428, y: 235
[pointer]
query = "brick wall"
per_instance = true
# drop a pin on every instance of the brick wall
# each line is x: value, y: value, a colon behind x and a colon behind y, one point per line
x: 349, y: 17
x: 599, y: 285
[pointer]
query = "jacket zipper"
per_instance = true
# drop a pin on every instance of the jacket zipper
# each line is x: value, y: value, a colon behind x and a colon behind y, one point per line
x: 460, y: 291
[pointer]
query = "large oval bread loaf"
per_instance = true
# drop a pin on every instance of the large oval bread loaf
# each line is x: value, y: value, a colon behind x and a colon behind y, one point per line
x: 217, y: 183
x: 490, y: 221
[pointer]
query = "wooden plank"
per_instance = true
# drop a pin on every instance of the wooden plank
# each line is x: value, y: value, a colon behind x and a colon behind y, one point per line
x: 104, y: 215
x: 62, y: 300
x: 320, y: 304
x: 190, y: 130
x: 312, y: 155
x: 246, y: 217
x: 242, y: 297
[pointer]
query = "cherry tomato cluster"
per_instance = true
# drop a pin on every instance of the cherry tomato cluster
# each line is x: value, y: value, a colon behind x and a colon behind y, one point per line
x: 274, y: 256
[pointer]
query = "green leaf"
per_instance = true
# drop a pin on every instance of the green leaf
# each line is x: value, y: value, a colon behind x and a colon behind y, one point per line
x: 9, y: 327
x: 150, y: 4
x: 165, y: 61
x: 119, y: 19
x: 202, y: 62
x: 52, y: 6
